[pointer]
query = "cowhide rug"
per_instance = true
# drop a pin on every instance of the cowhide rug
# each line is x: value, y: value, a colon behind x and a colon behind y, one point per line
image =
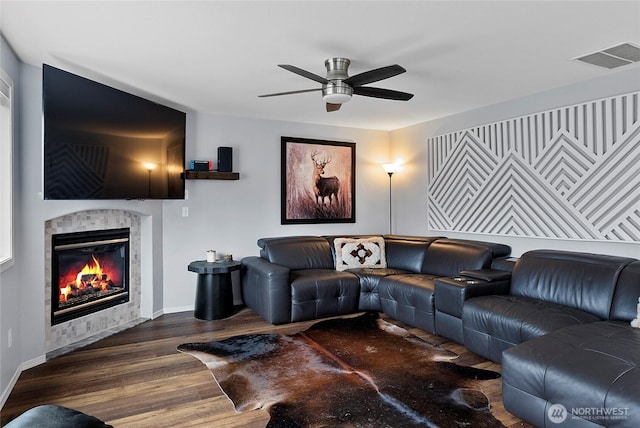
x: 351, y: 372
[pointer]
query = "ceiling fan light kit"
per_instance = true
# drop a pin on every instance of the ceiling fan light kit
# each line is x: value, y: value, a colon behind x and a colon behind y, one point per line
x: 336, y: 93
x: 338, y: 87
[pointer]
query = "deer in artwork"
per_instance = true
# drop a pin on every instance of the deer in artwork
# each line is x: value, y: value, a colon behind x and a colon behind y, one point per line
x: 323, y: 187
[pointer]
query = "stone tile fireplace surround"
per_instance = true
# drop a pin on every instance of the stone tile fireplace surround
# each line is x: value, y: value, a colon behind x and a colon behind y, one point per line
x: 91, y: 327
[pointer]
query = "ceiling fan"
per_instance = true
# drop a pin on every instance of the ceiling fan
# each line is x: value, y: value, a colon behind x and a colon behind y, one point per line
x: 337, y: 88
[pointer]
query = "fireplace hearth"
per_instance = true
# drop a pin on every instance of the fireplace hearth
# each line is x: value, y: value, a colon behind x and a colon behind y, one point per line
x: 90, y: 272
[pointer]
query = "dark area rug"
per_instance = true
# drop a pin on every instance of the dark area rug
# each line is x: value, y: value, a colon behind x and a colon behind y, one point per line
x: 352, y: 372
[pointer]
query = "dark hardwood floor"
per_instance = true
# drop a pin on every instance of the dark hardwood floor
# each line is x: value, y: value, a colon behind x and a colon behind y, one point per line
x: 136, y: 378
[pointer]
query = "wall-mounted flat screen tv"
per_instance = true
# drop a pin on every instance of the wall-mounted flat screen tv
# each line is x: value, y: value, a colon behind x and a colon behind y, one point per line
x: 104, y: 143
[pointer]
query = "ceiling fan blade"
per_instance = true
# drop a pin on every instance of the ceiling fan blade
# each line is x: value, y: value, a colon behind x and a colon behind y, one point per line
x: 374, y: 75
x: 301, y: 91
x: 304, y: 73
x: 333, y: 107
x: 387, y: 94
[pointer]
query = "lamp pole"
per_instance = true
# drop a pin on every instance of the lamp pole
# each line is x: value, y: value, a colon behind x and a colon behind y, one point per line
x: 149, y: 167
x: 149, y: 185
x: 390, y: 168
x: 390, y: 223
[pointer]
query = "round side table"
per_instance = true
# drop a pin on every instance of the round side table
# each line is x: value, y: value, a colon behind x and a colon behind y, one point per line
x: 214, y: 293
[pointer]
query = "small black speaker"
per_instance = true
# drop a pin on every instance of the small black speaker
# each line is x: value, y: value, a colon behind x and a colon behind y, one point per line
x: 225, y: 159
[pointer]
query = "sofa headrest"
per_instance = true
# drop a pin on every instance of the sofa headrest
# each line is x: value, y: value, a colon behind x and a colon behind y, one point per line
x: 426, y: 239
x: 448, y: 257
x: 262, y: 242
x: 580, y: 280
x: 406, y: 253
x: 625, y: 299
x: 297, y: 252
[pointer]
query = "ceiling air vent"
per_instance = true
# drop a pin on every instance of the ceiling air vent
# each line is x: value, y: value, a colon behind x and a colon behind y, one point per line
x: 616, y: 56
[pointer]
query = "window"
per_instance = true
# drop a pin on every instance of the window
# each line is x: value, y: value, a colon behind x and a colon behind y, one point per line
x: 6, y: 171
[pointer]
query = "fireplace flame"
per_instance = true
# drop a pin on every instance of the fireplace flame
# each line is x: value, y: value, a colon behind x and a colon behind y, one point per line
x: 87, y: 271
x: 90, y: 279
x: 64, y: 293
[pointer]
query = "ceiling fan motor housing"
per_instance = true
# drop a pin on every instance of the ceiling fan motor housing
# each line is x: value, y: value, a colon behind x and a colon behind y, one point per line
x: 336, y: 91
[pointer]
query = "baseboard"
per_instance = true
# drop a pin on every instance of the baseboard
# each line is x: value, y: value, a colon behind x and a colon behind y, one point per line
x: 157, y: 314
x: 178, y: 309
x: 33, y: 363
x: 14, y: 379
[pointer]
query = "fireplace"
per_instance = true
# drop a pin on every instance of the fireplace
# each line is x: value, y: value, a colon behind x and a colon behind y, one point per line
x: 89, y: 272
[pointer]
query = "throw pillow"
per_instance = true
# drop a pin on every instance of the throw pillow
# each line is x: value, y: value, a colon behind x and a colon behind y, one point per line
x: 360, y: 253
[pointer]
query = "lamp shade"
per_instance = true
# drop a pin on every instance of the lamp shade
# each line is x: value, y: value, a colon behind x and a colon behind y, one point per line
x: 390, y: 168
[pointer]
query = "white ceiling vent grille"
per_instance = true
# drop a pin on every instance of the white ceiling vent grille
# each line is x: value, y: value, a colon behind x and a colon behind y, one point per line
x: 616, y: 56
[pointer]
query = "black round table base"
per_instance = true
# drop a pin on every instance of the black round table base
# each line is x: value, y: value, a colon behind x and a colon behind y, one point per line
x: 214, y: 292
x: 214, y: 296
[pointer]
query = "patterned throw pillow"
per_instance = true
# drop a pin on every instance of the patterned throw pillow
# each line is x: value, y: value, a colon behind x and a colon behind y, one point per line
x: 360, y: 253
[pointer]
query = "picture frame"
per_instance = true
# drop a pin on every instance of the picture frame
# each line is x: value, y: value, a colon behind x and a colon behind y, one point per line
x: 318, y: 181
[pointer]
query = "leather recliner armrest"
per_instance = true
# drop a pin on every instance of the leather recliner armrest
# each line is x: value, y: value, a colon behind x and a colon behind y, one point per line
x: 266, y: 289
x: 489, y: 275
x: 451, y: 293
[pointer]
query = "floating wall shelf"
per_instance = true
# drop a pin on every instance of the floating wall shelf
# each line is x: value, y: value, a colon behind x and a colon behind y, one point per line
x: 210, y: 175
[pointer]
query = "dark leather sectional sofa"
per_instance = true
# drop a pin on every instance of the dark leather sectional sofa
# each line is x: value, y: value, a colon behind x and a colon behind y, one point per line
x: 295, y: 278
x: 557, y: 321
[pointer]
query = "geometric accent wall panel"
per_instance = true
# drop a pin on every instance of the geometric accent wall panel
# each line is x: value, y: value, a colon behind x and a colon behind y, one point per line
x: 570, y: 173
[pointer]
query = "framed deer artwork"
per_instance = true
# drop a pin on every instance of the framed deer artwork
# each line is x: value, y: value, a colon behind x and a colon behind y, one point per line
x: 318, y: 181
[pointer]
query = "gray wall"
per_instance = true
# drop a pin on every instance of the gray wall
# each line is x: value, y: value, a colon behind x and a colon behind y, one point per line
x: 25, y: 299
x: 410, y: 144
x: 230, y: 216
x: 10, y: 292
x: 225, y: 215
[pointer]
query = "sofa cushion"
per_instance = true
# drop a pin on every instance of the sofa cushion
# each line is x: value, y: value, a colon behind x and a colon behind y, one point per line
x: 409, y: 298
x: 586, y: 367
x: 578, y: 280
x: 492, y: 324
x: 369, y: 280
x: 366, y: 253
x: 320, y: 293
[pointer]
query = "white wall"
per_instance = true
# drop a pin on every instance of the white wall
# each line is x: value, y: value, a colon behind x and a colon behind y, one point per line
x: 410, y: 144
x: 230, y: 216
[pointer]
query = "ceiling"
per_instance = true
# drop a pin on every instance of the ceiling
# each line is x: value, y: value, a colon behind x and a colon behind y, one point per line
x: 218, y: 56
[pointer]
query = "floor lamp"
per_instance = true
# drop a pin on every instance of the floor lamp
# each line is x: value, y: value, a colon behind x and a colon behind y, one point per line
x: 149, y: 167
x: 390, y: 168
